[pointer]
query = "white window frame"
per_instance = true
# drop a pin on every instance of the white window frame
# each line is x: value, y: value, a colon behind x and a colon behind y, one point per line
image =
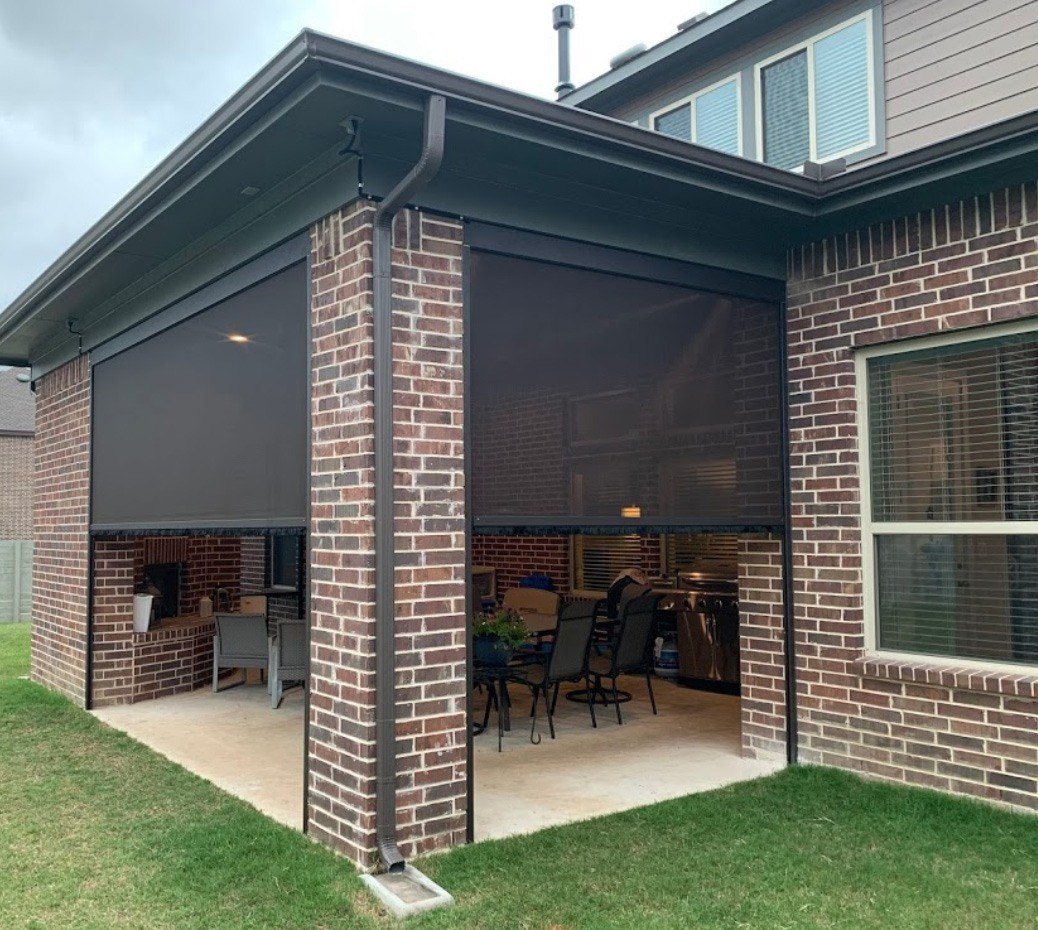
x: 812, y: 118
x: 870, y: 529
x: 690, y: 102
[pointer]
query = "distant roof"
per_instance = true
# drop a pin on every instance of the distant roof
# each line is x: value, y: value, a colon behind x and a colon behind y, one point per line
x: 17, y: 403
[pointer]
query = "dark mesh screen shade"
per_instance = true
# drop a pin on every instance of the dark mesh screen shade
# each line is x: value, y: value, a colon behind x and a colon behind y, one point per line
x: 194, y: 430
x: 593, y: 394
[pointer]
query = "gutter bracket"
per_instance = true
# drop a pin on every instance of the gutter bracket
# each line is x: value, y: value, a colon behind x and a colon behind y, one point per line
x: 422, y: 173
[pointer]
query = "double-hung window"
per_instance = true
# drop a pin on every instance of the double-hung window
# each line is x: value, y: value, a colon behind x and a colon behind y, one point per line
x: 815, y: 101
x: 949, y: 454
x: 710, y: 117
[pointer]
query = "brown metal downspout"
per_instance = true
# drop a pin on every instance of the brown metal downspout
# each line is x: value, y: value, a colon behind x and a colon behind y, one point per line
x: 424, y: 170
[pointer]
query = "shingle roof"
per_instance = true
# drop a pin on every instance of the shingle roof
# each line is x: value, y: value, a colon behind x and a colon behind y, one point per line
x: 17, y: 403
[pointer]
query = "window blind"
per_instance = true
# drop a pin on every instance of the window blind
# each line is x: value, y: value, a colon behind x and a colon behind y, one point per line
x: 717, y: 118
x: 710, y: 553
x: 597, y: 560
x: 676, y: 123
x: 841, y: 85
x: 959, y: 595
x: 953, y: 448
x: 784, y: 102
x: 954, y: 432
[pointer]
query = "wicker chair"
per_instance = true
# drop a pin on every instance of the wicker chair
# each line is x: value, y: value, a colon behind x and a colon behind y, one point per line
x: 241, y: 642
x: 288, y: 658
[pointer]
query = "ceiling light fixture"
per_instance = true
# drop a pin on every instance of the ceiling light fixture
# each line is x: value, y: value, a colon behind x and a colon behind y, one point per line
x: 237, y: 337
x: 249, y: 191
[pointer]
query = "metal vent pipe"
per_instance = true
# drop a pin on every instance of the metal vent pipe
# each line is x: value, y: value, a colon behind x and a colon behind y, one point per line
x: 562, y: 20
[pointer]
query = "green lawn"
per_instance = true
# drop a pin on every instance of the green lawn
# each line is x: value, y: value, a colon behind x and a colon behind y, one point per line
x: 97, y: 831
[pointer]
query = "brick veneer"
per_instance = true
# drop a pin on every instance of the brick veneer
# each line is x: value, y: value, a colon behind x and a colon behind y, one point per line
x: 933, y: 723
x: 430, y: 588
x: 130, y: 667
x: 60, y: 529
x: 762, y: 663
x: 15, y: 486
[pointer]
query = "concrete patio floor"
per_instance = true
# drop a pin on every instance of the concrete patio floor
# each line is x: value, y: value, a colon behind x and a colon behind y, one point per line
x: 236, y: 741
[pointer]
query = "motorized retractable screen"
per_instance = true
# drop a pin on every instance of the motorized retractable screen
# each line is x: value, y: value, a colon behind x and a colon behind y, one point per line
x: 204, y: 424
x: 603, y: 401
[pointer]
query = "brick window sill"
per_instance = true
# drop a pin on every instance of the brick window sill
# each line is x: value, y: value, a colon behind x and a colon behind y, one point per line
x: 948, y: 674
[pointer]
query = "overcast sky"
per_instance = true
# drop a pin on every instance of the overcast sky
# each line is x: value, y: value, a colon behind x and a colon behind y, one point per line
x: 93, y: 93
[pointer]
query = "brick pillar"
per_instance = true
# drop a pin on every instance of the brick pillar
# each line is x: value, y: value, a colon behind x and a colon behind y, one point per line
x: 761, y: 649
x: 113, y: 665
x: 60, y: 529
x: 427, y: 352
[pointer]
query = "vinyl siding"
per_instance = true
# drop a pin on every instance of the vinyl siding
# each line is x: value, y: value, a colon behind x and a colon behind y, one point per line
x: 956, y: 65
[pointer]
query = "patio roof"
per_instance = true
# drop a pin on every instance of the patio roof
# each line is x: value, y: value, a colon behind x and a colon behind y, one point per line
x: 279, y: 155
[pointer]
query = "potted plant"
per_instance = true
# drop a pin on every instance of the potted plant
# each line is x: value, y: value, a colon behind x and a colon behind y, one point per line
x: 497, y: 635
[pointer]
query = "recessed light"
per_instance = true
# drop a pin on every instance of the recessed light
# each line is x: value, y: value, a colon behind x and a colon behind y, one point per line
x: 238, y: 337
x: 249, y: 191
x: 631, y: 512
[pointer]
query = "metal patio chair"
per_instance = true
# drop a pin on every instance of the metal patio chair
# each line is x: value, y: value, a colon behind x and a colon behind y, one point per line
x: 630, y: 653
x: 567, y: 660
x: 288, y: 658
x: 240, y: 641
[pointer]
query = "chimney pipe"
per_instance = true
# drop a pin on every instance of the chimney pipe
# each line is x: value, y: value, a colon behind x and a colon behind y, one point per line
x: 562, y: 20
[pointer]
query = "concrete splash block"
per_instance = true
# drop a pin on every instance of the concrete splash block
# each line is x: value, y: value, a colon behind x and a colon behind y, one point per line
x: 407, y: 892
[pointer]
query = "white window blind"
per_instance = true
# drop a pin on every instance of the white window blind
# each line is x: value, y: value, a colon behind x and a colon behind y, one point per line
x: 709, y: 117
x: 841, y: 79
x: 815, y: 100
x: 953, y: 498
x: 709, y: 553
x: 597, y: 560
x: 784, y: 100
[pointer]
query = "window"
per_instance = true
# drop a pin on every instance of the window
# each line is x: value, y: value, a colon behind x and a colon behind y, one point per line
x: 597, y: 560
x: 950, y: 507
x: 710, y: 117
x: 284, y: 561
x: 815, y: 101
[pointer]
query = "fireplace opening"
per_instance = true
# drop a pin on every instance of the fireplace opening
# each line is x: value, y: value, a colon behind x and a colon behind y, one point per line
x: 162, y: 581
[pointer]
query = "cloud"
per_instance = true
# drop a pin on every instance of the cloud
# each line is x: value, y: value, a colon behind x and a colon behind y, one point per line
x: 94, y: 94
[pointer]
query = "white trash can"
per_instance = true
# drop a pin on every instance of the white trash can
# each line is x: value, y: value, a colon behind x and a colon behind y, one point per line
x: 142, y: 612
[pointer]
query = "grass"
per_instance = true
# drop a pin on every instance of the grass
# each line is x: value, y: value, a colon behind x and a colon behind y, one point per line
x: 97, y: 831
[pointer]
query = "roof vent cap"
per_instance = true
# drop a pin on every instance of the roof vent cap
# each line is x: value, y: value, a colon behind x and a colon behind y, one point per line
x: 689, y: 23
x: 625, y: 56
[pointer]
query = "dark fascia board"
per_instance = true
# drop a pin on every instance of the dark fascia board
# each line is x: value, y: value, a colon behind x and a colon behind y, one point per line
x: 620, y: 81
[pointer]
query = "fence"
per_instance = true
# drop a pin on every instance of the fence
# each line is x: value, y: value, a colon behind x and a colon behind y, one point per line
x: 15, y: 580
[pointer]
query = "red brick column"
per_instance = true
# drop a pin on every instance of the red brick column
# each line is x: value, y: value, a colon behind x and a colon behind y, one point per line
x: 932, y: 722
x: 60, y: 529
x: 431, y: 743
x: 761, y: 647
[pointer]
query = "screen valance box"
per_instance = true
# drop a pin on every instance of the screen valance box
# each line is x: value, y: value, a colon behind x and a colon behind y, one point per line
x: 602, y: 400
x: 204, y: 424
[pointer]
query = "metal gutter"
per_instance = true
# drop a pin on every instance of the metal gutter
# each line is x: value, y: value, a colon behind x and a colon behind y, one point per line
x: 788, y: 609
x: 424, y: 170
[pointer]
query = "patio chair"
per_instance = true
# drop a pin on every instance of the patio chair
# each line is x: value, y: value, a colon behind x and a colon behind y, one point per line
x: 241, y: 642
x: 288, y: 658
x: 630, y: 653
x: 566, y: 661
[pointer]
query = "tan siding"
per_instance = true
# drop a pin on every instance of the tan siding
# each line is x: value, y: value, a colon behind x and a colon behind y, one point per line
x: 954, y: 65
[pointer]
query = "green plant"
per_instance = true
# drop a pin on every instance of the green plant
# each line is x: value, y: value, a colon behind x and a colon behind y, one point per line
x: 504, y: 624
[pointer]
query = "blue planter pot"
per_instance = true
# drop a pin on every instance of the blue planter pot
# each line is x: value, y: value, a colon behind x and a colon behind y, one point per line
x: 489, y: 650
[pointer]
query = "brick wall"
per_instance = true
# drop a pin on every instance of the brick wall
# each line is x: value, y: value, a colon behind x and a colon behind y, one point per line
x: 431, y: 739
x: 929, y: 723
x: 16, y: 487
x: 60, y: 529
x: 515, y: 557
x: 762, y: 662
x: 130, y: 667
